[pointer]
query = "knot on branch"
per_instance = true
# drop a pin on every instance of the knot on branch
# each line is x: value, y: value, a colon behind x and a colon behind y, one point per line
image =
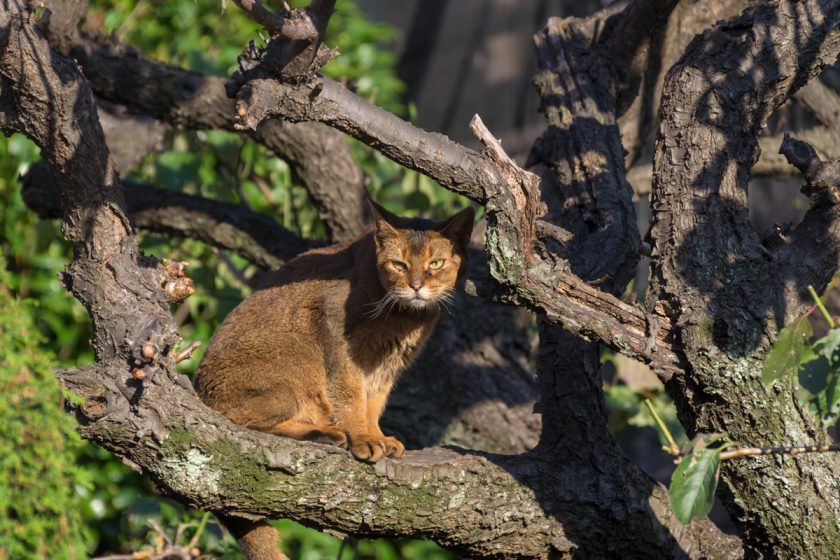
x: 292, y: 55
x: 177, y: 285
x: 299, y: 24
x: 822, y: 178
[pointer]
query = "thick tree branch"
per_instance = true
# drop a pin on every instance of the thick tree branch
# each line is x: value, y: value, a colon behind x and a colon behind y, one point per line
x: 252, y: 235
x: 687, y: 20
x: 630, y: 43
x: 473, y: 175
x: 479, y: 504
x: 44, y: 97
x: 717, y: 283
x: 323, y: 100
x: 161, y: 426
x: 588, y: 196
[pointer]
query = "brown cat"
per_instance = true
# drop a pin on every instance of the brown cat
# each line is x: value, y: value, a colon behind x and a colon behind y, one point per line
x: 314, y: 353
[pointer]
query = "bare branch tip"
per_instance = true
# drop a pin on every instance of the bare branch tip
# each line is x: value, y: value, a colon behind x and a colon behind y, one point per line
x: 186, y: 353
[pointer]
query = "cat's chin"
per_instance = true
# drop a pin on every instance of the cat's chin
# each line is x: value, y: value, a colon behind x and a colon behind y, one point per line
x: 418, y: 304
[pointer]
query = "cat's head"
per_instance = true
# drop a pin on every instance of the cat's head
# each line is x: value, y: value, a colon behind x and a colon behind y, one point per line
x: 420, y: 261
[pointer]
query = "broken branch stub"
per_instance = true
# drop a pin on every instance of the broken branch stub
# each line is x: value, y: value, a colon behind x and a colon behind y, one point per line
x: 512, y: 211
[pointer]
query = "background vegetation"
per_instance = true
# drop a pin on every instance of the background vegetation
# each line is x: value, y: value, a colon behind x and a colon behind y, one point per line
x: 64, y: 498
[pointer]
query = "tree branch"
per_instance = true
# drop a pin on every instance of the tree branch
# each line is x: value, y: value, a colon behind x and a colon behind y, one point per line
x: 252, y: 235
x: 813, y: 255
x: 318, y: 156
x: 470, y: 174
x: 629, y: 44
x: 687, y: 20
x: 159, y: 423
x: 589, y: 197
x: 292, y: 25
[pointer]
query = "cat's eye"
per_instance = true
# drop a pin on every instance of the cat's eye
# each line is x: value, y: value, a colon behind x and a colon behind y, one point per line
x: 399, y: 265
x: 436, y: 264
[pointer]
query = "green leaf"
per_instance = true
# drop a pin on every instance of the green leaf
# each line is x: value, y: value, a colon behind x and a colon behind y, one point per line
x: 790, y: 351
x: 829, y: 346
x: 693, y: 484
x: 818, y: 379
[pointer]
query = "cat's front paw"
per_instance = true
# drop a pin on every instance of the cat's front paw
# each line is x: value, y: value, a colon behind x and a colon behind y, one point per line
x: 393, y: 447
x: 370, y: 448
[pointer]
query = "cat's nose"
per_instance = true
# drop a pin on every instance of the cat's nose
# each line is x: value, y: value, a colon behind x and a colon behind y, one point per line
x: 416, y: 283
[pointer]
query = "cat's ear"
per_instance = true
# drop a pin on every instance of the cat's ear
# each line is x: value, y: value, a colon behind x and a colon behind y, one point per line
x: 385, y: 223
x: 459, y: 227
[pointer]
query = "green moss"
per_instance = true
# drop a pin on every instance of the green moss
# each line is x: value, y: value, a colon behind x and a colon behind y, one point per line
x: 210, y: 467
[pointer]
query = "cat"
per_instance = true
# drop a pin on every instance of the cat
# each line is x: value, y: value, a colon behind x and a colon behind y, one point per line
x: 313, y: 353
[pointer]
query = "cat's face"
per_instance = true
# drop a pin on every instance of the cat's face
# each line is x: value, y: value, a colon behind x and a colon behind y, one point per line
x: 419, y: 261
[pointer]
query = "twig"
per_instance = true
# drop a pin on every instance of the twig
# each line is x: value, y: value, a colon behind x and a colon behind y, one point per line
x: 186, y: 353
x: 159, y: 530
x: 673, y: 448
x: 785, y: 450
x: 201, y: 525
x: 171, y: 551
x: 821, y: 306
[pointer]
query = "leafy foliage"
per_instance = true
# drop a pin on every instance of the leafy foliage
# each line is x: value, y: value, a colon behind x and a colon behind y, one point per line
x: 814, y: 364
x: 39, y: 514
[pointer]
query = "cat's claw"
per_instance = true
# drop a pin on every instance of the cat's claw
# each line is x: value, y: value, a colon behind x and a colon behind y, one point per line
x: 371, y: 448
x: 393, y: 447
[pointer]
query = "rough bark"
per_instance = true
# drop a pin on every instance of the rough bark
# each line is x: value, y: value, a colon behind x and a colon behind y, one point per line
x: 579, y: 77
x: 545, y: 286
x: 686, y: 20
x: 728, y: 296
x: 482, y: 408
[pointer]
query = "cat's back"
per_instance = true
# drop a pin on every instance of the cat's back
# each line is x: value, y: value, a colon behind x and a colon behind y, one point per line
x: 294, y: 298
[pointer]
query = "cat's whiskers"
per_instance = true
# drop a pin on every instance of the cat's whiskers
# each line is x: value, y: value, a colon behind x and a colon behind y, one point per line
x: 387, y: 302
x: 444, y: 299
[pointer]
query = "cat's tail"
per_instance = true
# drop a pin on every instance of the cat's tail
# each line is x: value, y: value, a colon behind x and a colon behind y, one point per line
x: 257, y: 539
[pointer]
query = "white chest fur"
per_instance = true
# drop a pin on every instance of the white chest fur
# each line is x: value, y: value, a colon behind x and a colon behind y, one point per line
x: 394, y: 355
